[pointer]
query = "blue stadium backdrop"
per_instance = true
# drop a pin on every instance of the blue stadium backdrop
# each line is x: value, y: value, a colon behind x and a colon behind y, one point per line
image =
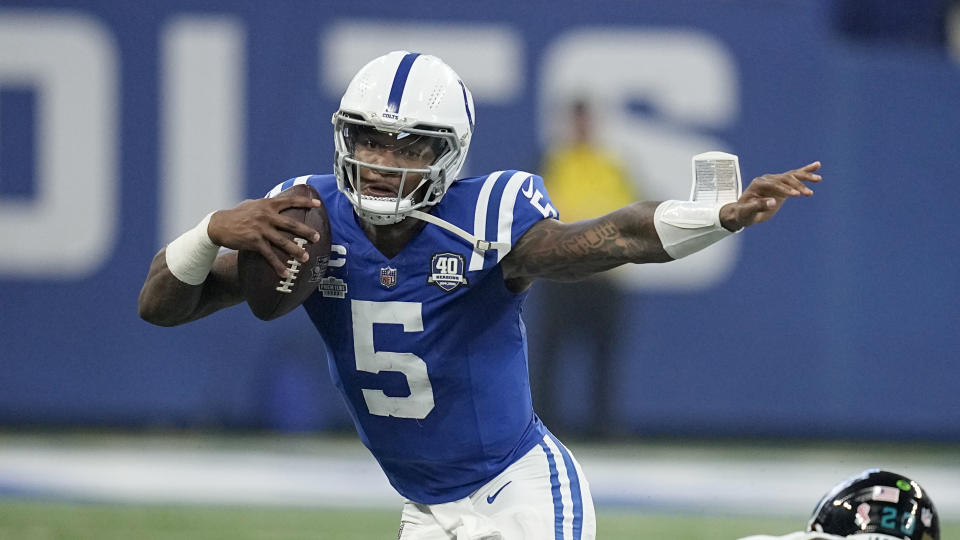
x: 123, y: 123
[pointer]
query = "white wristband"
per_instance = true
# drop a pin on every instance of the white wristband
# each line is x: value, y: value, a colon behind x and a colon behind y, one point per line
x: 190, y: 257
x: 686, y: 227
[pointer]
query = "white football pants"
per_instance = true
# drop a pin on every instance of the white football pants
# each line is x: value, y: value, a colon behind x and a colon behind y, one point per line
x: 541, y: 496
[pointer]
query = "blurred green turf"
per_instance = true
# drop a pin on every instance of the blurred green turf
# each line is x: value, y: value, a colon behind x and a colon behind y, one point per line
x: 55, y: 521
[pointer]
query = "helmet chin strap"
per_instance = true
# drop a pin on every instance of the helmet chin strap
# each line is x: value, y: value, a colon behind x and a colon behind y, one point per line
x: 390, y: 212
x: 477, y: 243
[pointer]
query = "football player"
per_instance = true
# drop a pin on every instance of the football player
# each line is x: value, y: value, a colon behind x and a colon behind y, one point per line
x: 873, y: 505
x: 420, y: 307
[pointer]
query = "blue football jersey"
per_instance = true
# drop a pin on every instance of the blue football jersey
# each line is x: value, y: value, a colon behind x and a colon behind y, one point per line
x: 428, y: 348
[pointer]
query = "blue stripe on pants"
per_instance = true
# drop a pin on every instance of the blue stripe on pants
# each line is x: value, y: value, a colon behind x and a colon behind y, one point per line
x: 555, y: 488
x: 574, y: 489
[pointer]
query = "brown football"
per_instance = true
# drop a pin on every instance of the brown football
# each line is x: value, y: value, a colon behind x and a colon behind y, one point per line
x: 269, y: 295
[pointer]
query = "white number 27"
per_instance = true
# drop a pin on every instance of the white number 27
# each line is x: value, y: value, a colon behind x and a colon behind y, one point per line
x: 409, y: 314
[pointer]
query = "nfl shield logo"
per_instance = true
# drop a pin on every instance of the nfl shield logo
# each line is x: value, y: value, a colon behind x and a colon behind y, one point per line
x: 388, y: 277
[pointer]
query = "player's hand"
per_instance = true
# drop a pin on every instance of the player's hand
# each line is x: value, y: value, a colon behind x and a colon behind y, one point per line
x: 766, y: 194
x: 255, y: 225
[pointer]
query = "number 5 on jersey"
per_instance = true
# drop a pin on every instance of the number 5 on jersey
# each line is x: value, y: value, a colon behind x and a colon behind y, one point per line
x: 409, y: 314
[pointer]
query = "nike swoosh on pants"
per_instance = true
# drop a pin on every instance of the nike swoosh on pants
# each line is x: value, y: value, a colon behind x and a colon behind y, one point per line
x: 490, y: 498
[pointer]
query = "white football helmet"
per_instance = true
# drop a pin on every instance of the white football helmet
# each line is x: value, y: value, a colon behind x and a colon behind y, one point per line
x: 405, y: 95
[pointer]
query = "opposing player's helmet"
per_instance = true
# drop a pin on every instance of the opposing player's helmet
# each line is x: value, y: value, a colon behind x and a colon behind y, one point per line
x: 877, y: 505
x: 410, y: 96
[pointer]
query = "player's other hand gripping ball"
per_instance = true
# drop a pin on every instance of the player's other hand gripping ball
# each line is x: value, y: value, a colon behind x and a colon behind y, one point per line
x: 269, y: 295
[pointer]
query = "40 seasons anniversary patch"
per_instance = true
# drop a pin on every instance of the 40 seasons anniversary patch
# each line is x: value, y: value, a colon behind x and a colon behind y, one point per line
x: 446, y: 271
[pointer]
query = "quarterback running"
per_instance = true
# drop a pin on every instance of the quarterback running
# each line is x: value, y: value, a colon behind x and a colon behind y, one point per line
x: 419, y: 309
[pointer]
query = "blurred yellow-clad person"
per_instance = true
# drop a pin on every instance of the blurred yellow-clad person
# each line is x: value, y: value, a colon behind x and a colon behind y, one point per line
x: 584, y: 181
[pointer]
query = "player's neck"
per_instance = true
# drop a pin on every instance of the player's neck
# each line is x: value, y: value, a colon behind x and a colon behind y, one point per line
x: 390, y: 239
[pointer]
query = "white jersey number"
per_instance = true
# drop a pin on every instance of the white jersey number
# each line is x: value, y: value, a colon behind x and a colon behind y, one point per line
x: 409, y: 314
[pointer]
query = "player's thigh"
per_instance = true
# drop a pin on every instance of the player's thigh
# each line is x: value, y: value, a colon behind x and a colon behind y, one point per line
x: 543, y: 496
x: 417, y: 523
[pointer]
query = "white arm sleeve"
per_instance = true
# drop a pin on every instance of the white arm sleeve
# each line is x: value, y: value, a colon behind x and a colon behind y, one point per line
x: 685, y: 227
x: 190, y: 257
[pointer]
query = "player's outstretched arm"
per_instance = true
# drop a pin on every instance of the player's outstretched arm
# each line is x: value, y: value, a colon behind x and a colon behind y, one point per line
x: 571, y: 251
x: 187, y: 280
